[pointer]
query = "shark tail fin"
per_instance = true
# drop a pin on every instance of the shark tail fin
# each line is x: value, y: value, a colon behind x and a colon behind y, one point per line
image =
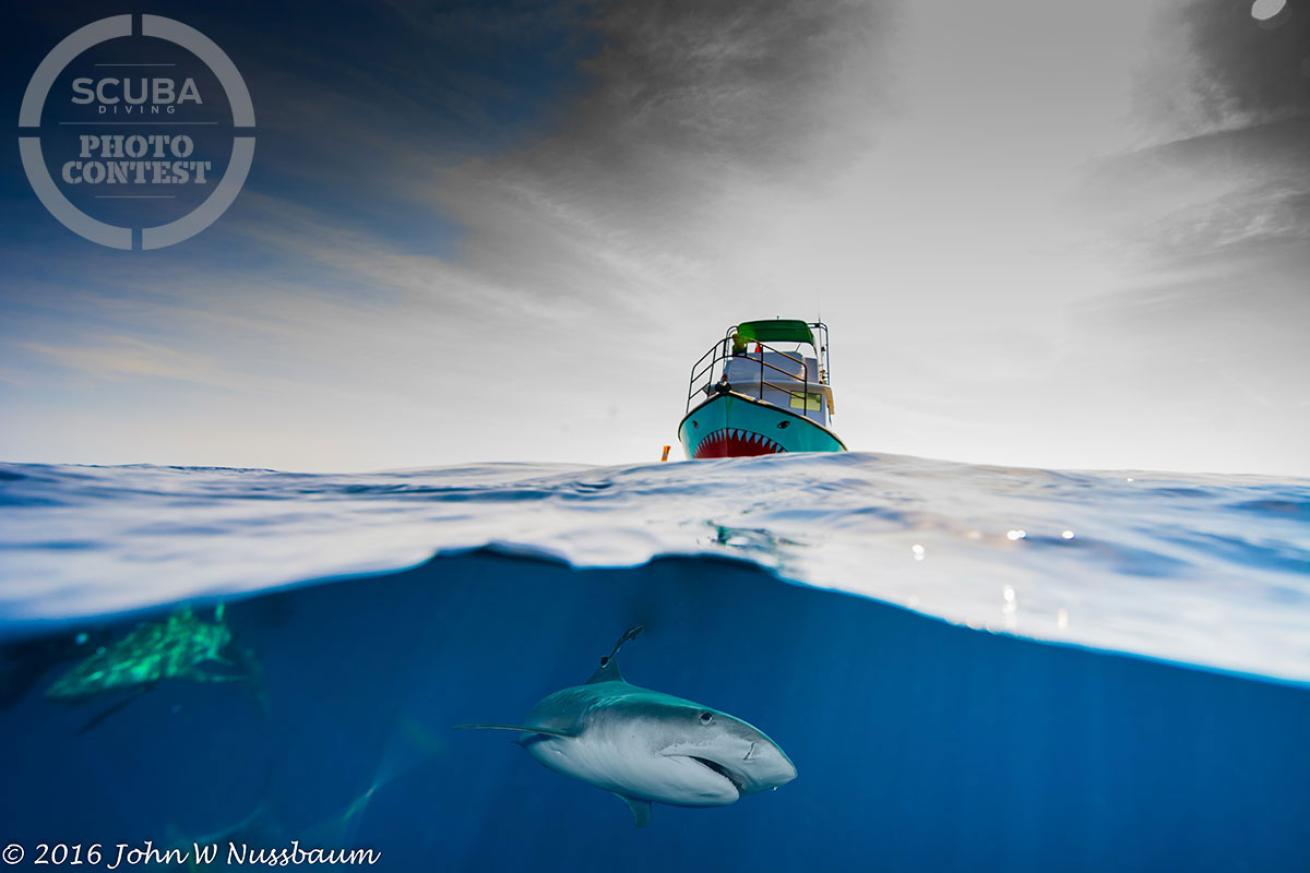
x: 518, y: 728
x: 640, y: 809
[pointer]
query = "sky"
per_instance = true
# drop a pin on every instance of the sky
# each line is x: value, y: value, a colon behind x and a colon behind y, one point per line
x: 1043, y: 234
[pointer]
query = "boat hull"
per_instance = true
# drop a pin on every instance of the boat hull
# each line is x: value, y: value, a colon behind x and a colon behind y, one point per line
x: 733, y: 425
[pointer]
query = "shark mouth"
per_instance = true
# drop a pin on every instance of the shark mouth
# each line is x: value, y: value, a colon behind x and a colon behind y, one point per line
x: 722, y: 771
x: 733, y: 442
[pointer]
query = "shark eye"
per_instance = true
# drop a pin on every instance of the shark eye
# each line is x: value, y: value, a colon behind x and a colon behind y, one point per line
x: 706, y: 718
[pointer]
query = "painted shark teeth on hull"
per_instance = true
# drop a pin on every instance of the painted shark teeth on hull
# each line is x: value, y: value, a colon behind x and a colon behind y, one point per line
x: 736, y: 442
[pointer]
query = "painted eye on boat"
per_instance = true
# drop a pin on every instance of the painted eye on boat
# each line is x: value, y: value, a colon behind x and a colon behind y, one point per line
x: 706, y: 717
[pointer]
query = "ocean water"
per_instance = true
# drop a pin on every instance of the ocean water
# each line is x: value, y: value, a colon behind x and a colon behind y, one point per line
x: 973, y: 668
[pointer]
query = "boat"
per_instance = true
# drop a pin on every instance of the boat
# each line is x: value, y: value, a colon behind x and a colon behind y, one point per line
x: 747, y: 396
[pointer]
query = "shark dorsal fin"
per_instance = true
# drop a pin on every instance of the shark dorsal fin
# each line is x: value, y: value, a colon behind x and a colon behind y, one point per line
x: 608, y: 671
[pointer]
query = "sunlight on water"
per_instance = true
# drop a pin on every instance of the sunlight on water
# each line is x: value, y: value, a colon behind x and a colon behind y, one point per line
x: 1210, y: 570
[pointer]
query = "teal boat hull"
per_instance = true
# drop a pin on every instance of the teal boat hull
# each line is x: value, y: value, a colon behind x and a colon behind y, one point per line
x: 733, y: 425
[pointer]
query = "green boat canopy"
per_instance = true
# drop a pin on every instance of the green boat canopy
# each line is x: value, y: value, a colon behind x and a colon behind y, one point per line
x: 780, y: 330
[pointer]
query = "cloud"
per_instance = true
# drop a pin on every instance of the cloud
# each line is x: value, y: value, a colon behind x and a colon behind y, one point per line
x: 553, y: 207
x: 682, y: 106
x: 613, y: 198
x: 1226, y: 173
x: 1238, y: 72
x: 1212, y: 221
x: 1228, y: 191
x: 125, y: 357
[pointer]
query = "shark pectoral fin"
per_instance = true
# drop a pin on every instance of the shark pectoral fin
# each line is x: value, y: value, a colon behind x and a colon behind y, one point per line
x: 94, y: 721
x: 518, y: 728
x: 640, y: 809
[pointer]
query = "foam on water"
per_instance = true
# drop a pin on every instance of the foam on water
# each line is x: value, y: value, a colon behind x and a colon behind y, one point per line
x: 1208, y: 570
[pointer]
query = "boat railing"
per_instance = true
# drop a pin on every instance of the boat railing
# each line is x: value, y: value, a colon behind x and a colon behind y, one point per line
x: 715, y: 361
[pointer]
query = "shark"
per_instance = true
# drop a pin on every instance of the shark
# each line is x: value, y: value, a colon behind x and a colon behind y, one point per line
x: 182, y: 645
x: 647, y: 746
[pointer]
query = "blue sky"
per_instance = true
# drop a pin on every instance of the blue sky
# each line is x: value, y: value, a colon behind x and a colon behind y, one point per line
x: 1042, y: 233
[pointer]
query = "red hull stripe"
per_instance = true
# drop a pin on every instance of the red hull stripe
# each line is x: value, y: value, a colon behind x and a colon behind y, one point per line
x: 736, y: 443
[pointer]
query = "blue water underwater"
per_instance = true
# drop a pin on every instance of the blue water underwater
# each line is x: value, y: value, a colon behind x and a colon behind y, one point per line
x: 973, y: 668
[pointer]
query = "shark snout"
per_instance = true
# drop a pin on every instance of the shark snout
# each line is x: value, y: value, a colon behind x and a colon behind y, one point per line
x: 765, y: 766
x: 743, y: 756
